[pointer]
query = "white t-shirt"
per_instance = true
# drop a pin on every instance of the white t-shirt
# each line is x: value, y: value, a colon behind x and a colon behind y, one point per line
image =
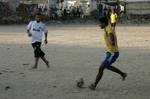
x: 122, y: 8
x: 37, y: 30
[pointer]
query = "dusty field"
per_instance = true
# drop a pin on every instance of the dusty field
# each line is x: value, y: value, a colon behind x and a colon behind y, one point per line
x: 74, y: 52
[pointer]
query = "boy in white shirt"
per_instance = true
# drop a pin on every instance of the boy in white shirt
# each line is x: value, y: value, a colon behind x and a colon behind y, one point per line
x: 35, y: 29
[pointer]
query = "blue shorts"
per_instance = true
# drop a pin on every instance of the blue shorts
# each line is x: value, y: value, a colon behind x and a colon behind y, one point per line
x: 110, y: 58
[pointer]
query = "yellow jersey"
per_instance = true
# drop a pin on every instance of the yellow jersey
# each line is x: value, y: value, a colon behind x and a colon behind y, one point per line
x: 110, y: 47
x: 113, y: 18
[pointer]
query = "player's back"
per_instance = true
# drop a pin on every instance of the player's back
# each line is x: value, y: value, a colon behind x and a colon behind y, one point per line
x: 110, y: 47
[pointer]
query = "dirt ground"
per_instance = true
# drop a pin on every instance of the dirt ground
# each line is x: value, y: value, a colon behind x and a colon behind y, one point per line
x: 74, y: 51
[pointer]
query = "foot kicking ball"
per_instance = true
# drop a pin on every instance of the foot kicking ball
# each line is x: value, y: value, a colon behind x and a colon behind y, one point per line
x: 80, y: 82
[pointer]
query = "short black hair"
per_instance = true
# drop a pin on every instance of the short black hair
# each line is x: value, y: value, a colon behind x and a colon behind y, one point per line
x: 103, y: 19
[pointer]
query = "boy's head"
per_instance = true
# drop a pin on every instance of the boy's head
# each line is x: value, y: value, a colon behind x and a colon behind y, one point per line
x: 113, y: 10
x: 38, y: 17
x: 103, y: 22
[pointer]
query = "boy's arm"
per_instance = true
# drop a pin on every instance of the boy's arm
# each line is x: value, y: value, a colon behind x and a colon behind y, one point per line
x: 29, y: 34
x: 116, y: 18
x: 28, y: 29
x: 112, y: 39
x: 46, y: 33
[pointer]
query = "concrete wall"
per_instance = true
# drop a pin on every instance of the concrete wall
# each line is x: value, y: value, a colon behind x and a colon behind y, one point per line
x: 39, y: 1
x: 93, y: 5
x: 13, y: 4
x: 52, y: 3
x: 141, y: 7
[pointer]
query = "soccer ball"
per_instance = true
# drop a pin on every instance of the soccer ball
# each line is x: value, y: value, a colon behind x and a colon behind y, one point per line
x: 80, y: 83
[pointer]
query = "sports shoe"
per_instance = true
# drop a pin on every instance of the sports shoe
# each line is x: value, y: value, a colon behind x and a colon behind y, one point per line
x: 124, y: 76
x: 47, y: 64
x: 92, y: 87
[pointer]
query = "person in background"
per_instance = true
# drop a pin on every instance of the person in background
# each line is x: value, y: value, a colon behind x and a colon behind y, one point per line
x: 113, y: 19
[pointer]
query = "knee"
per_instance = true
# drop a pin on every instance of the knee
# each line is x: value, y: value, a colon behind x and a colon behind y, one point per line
x: 102, y: 67
x: 108, y: 67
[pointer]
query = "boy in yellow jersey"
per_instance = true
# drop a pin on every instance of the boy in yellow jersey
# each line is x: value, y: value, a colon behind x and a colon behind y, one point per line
x: 113, y: 19
x: 112, y: 52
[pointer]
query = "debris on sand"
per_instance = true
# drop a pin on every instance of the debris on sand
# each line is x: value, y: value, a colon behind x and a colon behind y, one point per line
x: 8, y: 48
x: 7, y: 87
x: 25, y: 64
x: 54, y: 86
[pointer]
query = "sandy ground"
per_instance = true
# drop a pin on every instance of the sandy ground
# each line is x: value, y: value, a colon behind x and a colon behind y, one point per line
x: 74, y: 52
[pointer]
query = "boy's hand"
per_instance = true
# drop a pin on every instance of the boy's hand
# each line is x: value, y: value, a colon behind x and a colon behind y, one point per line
x: 45, y: 41
x: 29, y: 34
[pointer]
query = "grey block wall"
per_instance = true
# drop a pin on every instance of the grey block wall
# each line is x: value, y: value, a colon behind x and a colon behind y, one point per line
x: 141, y: 7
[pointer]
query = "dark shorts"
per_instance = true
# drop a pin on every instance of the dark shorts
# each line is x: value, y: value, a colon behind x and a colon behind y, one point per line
x: 37, y: 50
x: 110, y: 58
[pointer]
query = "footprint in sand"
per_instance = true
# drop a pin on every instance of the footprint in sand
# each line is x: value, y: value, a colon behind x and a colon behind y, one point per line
x: 8, y: 71
x: 21, y: 73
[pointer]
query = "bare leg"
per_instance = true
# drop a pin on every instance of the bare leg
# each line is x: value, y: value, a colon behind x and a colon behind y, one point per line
x: 36, y: 63
x: 98, y: 77
x: 116, y: 70
x: 46, y: 62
